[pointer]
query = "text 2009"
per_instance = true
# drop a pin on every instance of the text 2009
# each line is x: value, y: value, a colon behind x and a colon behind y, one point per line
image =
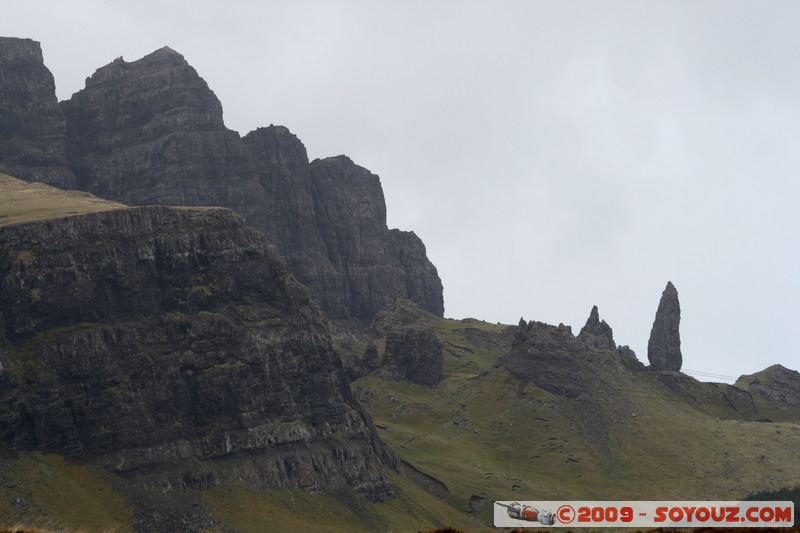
x: 605, y: 514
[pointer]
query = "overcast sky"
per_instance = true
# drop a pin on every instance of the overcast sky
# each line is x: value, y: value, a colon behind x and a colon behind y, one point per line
x: 551, y: 155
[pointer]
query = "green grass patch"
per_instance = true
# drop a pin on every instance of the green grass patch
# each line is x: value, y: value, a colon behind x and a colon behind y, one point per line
x: 21, y: 201
x: 50, y: 491
x: 340, y: 511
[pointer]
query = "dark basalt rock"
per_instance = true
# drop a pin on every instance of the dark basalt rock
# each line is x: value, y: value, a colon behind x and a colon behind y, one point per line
x: 375, y: 265
x: 370, y: 362
x: 33, y: 140
x: 138, y: 338
x: 776, y: 384
x: 151, y: 132
x: 597, y: 334
x: 664, y: 347
x: 551, y: 357
x: 413, y: 354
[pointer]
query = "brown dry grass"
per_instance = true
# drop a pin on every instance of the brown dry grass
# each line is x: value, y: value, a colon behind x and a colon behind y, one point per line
x: 21, y: 201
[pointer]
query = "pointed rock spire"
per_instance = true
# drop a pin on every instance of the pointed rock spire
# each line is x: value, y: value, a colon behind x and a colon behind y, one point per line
x: 664, y: 348
x: 596, y: 333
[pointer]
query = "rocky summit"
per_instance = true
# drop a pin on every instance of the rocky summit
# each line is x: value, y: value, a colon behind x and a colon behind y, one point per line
x: 33, y: 141
x: 595, y: 333
x: 664, y: 346
x: 151, y: 132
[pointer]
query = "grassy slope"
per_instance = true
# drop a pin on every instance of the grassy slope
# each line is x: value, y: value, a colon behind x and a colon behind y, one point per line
x: 487, y: 434
x: 48, y: 491
x: 342, y: 511
x: 21, y: 201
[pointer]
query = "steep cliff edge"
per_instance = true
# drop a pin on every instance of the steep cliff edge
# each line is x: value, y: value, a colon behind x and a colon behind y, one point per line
x: 33, y: 141
x: 146, y: 339
x: 151, y: 132
x: 338, y: 242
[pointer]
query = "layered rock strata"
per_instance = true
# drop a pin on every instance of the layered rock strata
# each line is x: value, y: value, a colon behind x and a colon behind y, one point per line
x: 413, y: 354
x: 33, y: 141
x: 146, y: 337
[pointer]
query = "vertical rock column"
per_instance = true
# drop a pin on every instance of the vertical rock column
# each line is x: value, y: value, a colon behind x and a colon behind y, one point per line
x: 664, y: 347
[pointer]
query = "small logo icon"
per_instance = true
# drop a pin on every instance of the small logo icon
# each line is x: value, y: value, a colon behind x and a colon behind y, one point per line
x: 518, y: 511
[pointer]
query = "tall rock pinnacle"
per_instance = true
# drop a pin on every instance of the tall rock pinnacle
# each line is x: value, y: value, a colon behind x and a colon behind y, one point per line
x: 597, y: 333
x: 664, y: 347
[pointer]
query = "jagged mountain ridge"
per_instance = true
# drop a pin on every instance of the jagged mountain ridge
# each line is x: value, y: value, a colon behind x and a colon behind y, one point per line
x: 151, y: 132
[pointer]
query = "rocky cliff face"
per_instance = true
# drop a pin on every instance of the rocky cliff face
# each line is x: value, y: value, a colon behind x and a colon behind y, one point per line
x: 33, y: 143
x: 146, y: 339
x: 776, y: 384
x: 374, y: 264
x: 413, y: 354
x: 551, y: 357
x: 151, y: 132
x: 664, y: 346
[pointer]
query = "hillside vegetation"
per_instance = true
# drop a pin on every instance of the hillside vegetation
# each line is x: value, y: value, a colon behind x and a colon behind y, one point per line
x: 21, y: 201
x: 485, y: 434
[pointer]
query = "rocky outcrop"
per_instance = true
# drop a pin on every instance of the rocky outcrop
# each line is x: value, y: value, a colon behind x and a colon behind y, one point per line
x: 338, y: 243
x: 664, y: 347
x: 281, y: 165
x: 551, y: 357
x: 33, y: 142
x: 151, y: 340
x: 776, y: 384
x: 597, y: 334
x: 413, y: 354
x: 374, y: 266
x: 151, y: 132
